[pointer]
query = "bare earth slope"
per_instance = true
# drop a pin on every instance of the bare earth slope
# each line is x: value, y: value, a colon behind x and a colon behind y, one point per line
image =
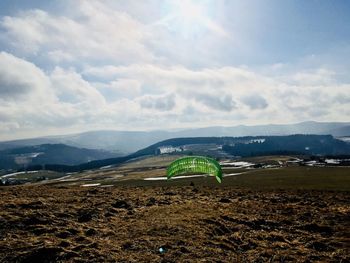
x: 190, y: 223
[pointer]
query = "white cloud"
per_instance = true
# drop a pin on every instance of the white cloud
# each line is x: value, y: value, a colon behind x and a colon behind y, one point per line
x: 92, y: 32
x: 232, y: 88
x: 110, y: 65
x: 255, y: 102
x: 320, y: 76
x: 128, y: 88
x: 20, y: 78
x: 31, y: 99
x: 142, y: 96
x: 58, y: 56
x: 161, y: 103
x: 215, y: 101
x: 71, y: 88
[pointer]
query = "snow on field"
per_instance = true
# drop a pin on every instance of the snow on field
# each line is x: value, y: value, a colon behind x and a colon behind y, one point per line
x: 88, y: 185
x: 237, y: 164
x: 332, y: 161
x: 233, y: 174
x: 64, y: 178
x: 17, y: 173
x: 175, y: 177
x: 184, y: 176
x: 106, y: 167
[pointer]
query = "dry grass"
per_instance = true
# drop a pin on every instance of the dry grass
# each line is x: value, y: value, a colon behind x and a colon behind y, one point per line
x: 160, y: 160
x: 193, y: 224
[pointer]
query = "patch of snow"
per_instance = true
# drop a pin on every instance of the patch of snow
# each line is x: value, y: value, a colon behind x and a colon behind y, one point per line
x: 89, y: 185
x: 257, y: 140
x: 17, y: 173
x: 233, y: 174
x: 314, y: 163
x: 332, y: 161
x: 344, y: 139
x: 240, y: 164
x: 155, y: 179
x: 175, y: 177
x: 295, y: 161
x: 34, y: 155
x: 270, y: 166
x: 73, y: 179
x: 169, y: 149
x: 106, y: 167
x: 63, y: 178
x: 185, y: 176
x: 68, y: 180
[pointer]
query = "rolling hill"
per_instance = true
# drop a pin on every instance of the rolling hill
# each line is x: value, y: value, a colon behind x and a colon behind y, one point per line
x: 127, y: 142
x: 311, y: 145
x: 20, y: 157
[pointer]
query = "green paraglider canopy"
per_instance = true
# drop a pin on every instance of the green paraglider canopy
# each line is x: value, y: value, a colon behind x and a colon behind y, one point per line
x: 195, y: 164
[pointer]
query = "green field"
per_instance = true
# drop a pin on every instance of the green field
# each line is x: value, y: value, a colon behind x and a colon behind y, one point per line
x: 307, y: 178
x: 135, y: 172
x: 317, y: 178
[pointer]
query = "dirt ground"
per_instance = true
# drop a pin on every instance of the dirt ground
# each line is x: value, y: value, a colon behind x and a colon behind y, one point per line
x: 172, y: 224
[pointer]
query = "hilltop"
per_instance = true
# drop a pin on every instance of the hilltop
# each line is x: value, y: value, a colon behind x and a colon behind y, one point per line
x: 127, y: 142
x: 61, y: 158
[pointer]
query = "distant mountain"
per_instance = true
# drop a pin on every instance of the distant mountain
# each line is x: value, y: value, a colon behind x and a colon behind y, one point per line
x: 255, y: 145
x: 341, y: 132
x: 126, y: 142
x: 311, y: 145
x: 119, y: 142
x: 49, y: 154
x: 317, y: 128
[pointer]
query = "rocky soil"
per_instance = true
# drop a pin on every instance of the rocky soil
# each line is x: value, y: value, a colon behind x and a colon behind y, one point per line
x: 172, y: 224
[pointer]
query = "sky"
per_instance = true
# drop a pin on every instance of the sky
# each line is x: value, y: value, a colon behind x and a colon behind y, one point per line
x: 72, y: 66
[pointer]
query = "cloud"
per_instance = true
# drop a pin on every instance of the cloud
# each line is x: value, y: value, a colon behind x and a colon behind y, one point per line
x: 342, y: 98
x: 124, y: 88
x: 70, y: 87
x: 320, y: 76
x: 19, y: 78
x: 32, y: 99
x: 216, y: 88
x: 177, y: 76
x: 148, y: 94
x: 216, y: 101
x: 255, y: 102
x: 162, y: 103
x: 88, y: 32
x: 110, y: 65
x: 58, y: 56
x: 91, y: 31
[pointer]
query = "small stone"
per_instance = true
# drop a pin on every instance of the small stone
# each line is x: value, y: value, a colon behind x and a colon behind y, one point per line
x: 91, y: 232
x: 121, y: 204
x: 225, y: 200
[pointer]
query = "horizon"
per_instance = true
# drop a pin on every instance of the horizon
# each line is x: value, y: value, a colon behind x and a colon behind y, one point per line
x: 68, y: 67
x: 179, y: 130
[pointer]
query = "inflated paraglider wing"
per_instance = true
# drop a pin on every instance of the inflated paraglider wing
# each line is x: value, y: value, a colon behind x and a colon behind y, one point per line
x: 195, y: 164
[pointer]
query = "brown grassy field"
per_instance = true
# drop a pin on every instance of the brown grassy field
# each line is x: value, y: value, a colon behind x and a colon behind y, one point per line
x: 195, y: 223
x: 285, y: 214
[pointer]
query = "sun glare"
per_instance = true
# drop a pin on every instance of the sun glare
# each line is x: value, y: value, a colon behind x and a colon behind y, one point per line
x: 191, y: 18
x: 190, y: 11
x: 188, y: 17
